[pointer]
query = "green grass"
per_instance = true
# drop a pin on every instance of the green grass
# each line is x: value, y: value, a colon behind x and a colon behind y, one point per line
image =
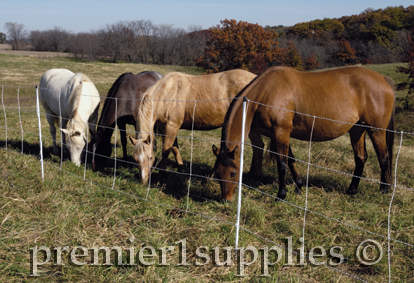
x: 65, y: 210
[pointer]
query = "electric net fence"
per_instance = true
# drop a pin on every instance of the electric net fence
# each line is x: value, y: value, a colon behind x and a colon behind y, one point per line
x: 19, y: 115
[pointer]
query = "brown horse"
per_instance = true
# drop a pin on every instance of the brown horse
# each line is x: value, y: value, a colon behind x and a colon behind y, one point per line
x: 283, y: 103
x: 181, y: 101
x: 120, y: 107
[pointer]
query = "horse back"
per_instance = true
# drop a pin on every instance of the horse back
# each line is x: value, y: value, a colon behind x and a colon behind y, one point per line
x: 337, y: 99
x: 125, y: 96
x: 53, y: 87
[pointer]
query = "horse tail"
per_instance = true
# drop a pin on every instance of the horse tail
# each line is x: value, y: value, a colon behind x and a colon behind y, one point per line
x: 391, y: 126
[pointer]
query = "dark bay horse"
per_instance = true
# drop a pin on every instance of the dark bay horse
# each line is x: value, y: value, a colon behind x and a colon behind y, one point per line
x: 283, y: 102
x: 127, y: 90
x: 181, y: 101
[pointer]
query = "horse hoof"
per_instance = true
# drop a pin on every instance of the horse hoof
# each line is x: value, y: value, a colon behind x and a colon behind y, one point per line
x: 351, y: 191
x: 298, y: 191
x: 384, y: 189
x: 281, y: 196
x: 181, y: 168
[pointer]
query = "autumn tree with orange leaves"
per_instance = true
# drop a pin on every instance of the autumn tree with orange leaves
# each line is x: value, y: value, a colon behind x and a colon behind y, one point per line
x: 238, y: 45
x: 346, y: 53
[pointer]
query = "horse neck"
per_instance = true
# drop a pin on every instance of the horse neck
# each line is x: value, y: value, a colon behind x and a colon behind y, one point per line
x: 146, y: 118
x: 108, y: 114
x: 82, y: 106
x: 77, y: 123
x: 232, y: 128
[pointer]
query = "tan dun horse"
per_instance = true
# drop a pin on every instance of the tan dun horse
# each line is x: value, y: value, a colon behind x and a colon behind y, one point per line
x: 283, y: 103
x: 181, y: 101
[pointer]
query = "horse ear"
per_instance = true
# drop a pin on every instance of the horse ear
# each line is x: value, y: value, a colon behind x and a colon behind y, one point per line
x: 216, y: 151
x: 133, y: 141
x: 234, y: 153
x: 148, y: 140
x: 65, y: 131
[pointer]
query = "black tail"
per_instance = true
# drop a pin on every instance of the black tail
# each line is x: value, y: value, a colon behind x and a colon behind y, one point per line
x: 391, y: 126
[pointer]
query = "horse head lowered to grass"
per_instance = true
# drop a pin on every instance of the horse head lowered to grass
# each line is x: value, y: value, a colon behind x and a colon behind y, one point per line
x: 75, y: 100
x: 181, y: 101
x: 285, y: 103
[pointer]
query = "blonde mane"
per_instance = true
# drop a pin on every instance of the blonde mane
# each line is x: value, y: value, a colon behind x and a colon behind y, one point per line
x: 145, y: 118
x: 75, y: 121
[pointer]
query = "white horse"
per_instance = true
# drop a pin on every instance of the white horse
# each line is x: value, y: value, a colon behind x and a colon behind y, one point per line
x: 74, y: 99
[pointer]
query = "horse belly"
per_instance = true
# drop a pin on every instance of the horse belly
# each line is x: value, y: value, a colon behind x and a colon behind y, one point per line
x: 320, y: 130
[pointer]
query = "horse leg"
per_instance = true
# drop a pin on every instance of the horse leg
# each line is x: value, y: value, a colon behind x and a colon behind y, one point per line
x: 257, y: 145
x: 122, y: 130
x: 93, y: 119
x: 177, y: 154
x: 294, y: 171
x: 52, y: 129
x: 64, y: 126
x: 282, y: 150
x: 169, y: 139
x: 357, y: 135
x: 378, y: 138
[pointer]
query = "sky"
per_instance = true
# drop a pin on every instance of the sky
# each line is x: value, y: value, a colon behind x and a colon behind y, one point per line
x: 89, y: 15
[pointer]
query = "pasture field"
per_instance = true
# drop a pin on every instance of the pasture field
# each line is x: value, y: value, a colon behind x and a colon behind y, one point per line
x: 75, y: 208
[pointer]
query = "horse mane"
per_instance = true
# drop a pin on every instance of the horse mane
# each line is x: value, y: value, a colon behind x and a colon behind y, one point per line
x: 229, y: 112
x: 75, y: 118
x: 223, y: 156
x: 145, y: 112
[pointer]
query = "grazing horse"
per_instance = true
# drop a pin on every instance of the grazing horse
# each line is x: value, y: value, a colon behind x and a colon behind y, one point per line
x: 74, y: 99
x: 120, y: 107
x: 181, y: 101
x: 283, y: 102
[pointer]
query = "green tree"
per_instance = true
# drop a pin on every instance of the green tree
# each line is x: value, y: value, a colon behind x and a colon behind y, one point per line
x: 236, y: 45
x: 291, y: 57
x: 2, y: 38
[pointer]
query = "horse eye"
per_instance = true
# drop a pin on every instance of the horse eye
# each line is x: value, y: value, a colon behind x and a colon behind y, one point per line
x: 233, y: 174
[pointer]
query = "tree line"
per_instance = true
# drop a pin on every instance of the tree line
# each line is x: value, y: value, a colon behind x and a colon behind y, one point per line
x: 372, y: 37
x: 129, y: 41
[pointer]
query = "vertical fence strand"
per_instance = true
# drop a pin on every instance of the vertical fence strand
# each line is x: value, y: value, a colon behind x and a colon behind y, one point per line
x: 86, y: 150
x: 40, y: 132
x: 61, y: 133
x: 241, y: 172
x: 20, y: 118
x: 191, y: 158
x: 307, y: 184
x: 5, y: 116
x: 150, y: 169
x: 115, y: 134
x: 389, y: 210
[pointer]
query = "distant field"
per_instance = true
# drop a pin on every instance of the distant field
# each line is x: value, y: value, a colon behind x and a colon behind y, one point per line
x: 65, y: 210
x: 7, y: 49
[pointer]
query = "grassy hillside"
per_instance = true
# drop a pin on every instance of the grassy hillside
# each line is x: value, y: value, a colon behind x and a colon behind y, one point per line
x: 75, y: 207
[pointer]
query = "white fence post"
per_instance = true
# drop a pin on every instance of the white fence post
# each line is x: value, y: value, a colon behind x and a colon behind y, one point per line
x: 5, y: 117
x: 40, y: 132
x: 389, y: 209
x: 115, y: 134
x: 241, y: 172
x: 20, y: 118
